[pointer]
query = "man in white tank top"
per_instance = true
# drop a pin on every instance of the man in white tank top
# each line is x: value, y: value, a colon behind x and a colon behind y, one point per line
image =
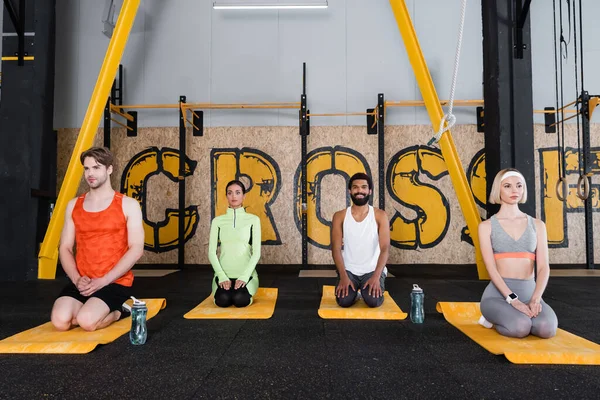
x: 364, y: 232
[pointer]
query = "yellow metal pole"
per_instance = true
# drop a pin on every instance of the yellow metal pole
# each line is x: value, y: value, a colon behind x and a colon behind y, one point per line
x: 48, y: 256
x: 432, y: 103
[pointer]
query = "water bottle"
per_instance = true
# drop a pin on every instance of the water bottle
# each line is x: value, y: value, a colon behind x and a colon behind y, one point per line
x: 417, y: 314
x: 138, y: 333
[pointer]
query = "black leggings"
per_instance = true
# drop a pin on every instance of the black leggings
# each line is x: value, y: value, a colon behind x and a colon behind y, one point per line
x: 225, y: 298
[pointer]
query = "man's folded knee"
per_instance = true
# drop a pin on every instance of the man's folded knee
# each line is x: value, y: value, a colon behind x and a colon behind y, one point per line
x: 61, y: 320
x: 86, y: 325
x: 87, y: 322
x: 61, y: 324
x: 373, y: 301
x: 345, y: 301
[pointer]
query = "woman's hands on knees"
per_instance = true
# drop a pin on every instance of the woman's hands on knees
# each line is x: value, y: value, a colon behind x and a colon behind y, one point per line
x: 239, y: 284
x: 225, y: 284
x: 524, y: 308
x: 535, y: 305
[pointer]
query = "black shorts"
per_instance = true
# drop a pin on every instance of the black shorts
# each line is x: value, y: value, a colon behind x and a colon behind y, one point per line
x: 114, y: 295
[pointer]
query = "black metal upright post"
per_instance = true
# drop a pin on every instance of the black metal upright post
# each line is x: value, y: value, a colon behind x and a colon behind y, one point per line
x: 303, y: 161
x: 117, y: 92
x: 22, y: 33
x: 381, y: 148
x: 587, y: 151
x: 116, y: 98
x: 107, y: 121
x: 304, y: 132
x: 587, y: 164
x: 507, y: 93
x: 181, y: 177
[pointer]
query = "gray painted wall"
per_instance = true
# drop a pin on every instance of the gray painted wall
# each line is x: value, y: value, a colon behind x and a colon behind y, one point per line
x: 353, y: 51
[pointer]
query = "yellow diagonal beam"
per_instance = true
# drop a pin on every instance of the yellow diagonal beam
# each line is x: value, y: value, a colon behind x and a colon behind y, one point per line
x: 432, y: 103
x: 48, y: 256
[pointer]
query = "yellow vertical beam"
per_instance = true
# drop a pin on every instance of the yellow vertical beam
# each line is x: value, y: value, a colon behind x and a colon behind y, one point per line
x: 48, y: 256
x: 432, y: 103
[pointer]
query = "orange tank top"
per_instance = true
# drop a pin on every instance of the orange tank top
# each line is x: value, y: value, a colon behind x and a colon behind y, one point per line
x: 101, y: 239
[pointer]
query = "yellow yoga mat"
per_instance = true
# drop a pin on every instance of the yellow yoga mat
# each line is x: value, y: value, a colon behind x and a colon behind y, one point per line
x: 329, y: 309
x: 262, y: 307
x: 564, y: 348
x: 46, y: 339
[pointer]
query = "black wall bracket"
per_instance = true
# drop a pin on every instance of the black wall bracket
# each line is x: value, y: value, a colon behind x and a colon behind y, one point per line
x: 198, y: 121
x: 550, y: 120
x: 480, y: 119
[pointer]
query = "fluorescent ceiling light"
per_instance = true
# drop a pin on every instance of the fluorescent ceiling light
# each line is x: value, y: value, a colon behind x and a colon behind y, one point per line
x: 267, y: 6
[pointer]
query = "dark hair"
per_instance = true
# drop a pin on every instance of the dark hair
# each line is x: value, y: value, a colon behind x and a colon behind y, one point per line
x: 235, y: 182
x: 102, y: 155
x: 359, y: 176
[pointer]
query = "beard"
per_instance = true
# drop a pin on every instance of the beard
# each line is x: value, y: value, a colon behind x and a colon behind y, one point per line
x: 99, y: 182
x: 360, y: 201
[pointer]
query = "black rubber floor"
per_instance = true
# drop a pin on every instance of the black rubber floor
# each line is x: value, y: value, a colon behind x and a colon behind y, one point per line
x: 295, y: 354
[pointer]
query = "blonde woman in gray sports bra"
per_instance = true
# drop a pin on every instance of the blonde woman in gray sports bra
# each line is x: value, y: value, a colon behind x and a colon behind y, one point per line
x: 512, y: 243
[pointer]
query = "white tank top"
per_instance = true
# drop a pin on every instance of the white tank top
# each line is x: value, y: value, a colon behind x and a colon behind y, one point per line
x: 361, y: 243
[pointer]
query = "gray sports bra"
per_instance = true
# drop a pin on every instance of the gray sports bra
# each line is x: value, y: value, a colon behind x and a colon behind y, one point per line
x: 505, y: 246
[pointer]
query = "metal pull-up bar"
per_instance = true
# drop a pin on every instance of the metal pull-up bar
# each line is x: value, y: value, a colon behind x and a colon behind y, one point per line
x: 184, y: 107
x: 207, y: 106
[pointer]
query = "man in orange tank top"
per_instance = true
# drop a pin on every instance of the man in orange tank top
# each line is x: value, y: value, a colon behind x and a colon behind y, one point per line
x: 106, y: 229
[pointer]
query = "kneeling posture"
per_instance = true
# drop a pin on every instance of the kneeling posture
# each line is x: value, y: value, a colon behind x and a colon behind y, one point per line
x: 235, y: 281
x: 106, y: 228
x: 512, y: 243
x: 364, y: 232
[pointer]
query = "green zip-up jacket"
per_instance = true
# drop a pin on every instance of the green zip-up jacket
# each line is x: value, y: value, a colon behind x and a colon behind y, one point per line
x: 238, y: 233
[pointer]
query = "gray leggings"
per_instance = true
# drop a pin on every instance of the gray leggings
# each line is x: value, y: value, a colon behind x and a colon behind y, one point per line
x: 511, y: 322
x: 358, y: 282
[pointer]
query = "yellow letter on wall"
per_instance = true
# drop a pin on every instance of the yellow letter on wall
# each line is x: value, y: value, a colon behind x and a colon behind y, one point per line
x: 164, y: 235
x: 432, y: 210
x: 260, y: 173
x: 320, y: 163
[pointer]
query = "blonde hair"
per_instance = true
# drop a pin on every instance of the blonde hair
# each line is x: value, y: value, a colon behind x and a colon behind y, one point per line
x: 495, y: 192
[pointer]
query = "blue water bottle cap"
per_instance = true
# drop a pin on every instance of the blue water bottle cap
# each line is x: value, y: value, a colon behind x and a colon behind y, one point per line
x: 137, y: 302
x: 416, y: 288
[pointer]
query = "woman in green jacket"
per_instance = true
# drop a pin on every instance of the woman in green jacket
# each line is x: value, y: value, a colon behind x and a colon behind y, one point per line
x: 238, y: 234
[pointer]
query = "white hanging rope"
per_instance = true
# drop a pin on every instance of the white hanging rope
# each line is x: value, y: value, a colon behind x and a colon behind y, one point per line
x: 448, y: 120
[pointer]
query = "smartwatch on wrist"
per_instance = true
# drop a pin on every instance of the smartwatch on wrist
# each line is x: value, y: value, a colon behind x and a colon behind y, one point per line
x: 511, y: 297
